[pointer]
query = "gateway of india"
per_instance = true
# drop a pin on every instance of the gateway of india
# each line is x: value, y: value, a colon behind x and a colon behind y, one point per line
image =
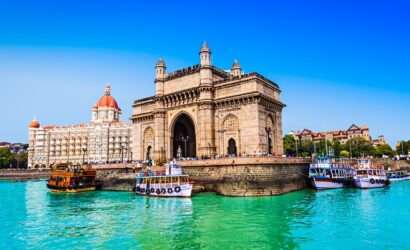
x: 204, y: 112
x: 197, y: 112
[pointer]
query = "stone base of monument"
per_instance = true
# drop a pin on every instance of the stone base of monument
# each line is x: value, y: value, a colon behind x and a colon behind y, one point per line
x: 228, y: 176
x: 248, y: 176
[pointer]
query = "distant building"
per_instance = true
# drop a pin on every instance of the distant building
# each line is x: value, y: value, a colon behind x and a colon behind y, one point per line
x: 380, y: 140
x: 15, y: 148
x: 105, y: 139
x: 341, y: 135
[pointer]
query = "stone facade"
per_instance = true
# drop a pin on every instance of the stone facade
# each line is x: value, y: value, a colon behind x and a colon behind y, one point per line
x: 203, y: 111
x: 104, y: 139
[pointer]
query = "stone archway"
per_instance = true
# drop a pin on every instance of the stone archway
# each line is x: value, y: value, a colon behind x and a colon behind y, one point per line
x: 269, y: 133
x: 148, y: 143
x: 232, y: 151
x: 183, y: 138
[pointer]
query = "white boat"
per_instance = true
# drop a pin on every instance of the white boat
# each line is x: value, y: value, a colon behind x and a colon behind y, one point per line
x: 369, y: 177
x: 327, y: 175
x: 395, y: 176
x: 172, y: 184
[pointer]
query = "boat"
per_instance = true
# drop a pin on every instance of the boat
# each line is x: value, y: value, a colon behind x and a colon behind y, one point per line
x: 324, y: 174
x: 368, y: 176
x: 400, y: 175
x: 72, y: 178
x: 171, y: 184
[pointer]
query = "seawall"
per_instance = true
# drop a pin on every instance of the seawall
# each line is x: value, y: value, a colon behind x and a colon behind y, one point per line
x: 248, y: 176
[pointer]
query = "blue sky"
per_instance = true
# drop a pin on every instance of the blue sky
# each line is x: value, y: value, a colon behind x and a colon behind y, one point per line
x: 337, y: 62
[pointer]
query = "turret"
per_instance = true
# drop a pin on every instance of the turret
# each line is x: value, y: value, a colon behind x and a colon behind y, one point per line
x: 160, y: 69
x: 205, y: 55
x: 160, y: 73
x: 236, y: 70
x: 205, y: 62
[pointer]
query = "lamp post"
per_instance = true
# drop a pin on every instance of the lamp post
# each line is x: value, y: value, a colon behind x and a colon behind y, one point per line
x: 122, y: 153
x: 185, y: 140
x: 84, y: 151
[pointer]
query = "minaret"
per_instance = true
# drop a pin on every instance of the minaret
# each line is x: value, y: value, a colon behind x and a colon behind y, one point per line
x: 236, y: 70
x: 206, y: 110
x: 205, y: 55
x: 206, y: 65
x: 160, y: 73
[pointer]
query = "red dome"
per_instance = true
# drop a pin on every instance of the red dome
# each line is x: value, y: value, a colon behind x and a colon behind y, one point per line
x: 107, y: 101
x: 34, y: 124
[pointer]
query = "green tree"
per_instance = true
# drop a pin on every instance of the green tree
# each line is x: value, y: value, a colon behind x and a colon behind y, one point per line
x: 403, y: 147
x: 359, y: 146
x: 6, y: 158
x: 384, y: 149
x: 289, y: 145
x: 344, y: 154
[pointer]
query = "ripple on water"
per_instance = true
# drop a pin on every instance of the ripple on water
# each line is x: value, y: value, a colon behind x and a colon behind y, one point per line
x: 33, y: 218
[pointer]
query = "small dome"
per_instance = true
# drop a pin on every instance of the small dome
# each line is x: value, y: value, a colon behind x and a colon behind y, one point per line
x: 34, y: 124
x: 107, y: 101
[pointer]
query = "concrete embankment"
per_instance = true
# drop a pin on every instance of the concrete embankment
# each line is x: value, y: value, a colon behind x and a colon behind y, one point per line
x: 24, y: 174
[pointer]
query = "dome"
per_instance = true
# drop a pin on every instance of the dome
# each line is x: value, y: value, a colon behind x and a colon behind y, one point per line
x: 34, y: 124
x: 107, y: 101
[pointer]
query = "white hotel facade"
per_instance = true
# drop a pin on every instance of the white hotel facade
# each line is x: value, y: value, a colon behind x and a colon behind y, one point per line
x: 105, y: 139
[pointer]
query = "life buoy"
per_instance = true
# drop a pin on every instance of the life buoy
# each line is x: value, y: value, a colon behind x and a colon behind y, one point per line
x: 177, y: 189
x: 169, y: 190
x: 163, y: 190
x: 372, y: 181
x: 152, y: 190
x: 138, y: 189
x: 158, y: 191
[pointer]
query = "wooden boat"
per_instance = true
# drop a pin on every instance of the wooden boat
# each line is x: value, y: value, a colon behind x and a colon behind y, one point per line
x: 72, y: 179
x: 172, y: 184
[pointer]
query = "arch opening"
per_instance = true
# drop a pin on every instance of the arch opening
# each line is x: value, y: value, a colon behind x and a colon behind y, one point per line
x: 184, y: 139
x: 232, y: 147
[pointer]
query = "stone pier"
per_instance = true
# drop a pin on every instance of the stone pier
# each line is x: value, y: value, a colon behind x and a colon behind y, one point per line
x: 248, y: 176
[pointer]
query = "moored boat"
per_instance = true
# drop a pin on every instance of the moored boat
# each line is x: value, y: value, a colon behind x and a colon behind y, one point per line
x: 394, y: 176
x: 368, y: 176
x: 171, y: 184
x: 72, y: 179
x: 327, y: 175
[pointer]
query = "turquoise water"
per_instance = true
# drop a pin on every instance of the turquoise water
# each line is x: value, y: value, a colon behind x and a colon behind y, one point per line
x: 33, y: 218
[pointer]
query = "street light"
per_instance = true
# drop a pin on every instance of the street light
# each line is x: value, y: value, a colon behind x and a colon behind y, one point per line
x: 84, y: 151
x: 185, y: 140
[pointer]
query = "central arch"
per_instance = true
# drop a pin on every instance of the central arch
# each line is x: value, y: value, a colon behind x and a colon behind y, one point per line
x: 183, y: 137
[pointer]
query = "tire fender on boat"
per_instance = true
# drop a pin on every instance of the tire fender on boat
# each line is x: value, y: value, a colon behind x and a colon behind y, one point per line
x: 158, y: 191
x: 163, y: 190
x: 177, y: 189
x: 169, y: 190
x: 372, y: 181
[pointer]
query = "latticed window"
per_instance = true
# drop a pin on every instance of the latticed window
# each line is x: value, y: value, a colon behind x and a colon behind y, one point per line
x: 231, y: 123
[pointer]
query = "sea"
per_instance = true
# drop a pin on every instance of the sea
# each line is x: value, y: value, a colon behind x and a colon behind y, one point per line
x: 31, y: 217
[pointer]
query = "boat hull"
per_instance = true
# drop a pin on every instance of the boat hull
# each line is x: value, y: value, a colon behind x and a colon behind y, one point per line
x: 366, y: 183
x: 70, y: 190
x: 159, y: 190
x: 406, y: 178
x: 321, y: 184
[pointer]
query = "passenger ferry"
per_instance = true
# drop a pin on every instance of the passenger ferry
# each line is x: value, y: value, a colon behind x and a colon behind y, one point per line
x: 368, y: 176
x: 172, y: 184
x: 327, y: 175
x: 394, y: 176
x: 72, y: 179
